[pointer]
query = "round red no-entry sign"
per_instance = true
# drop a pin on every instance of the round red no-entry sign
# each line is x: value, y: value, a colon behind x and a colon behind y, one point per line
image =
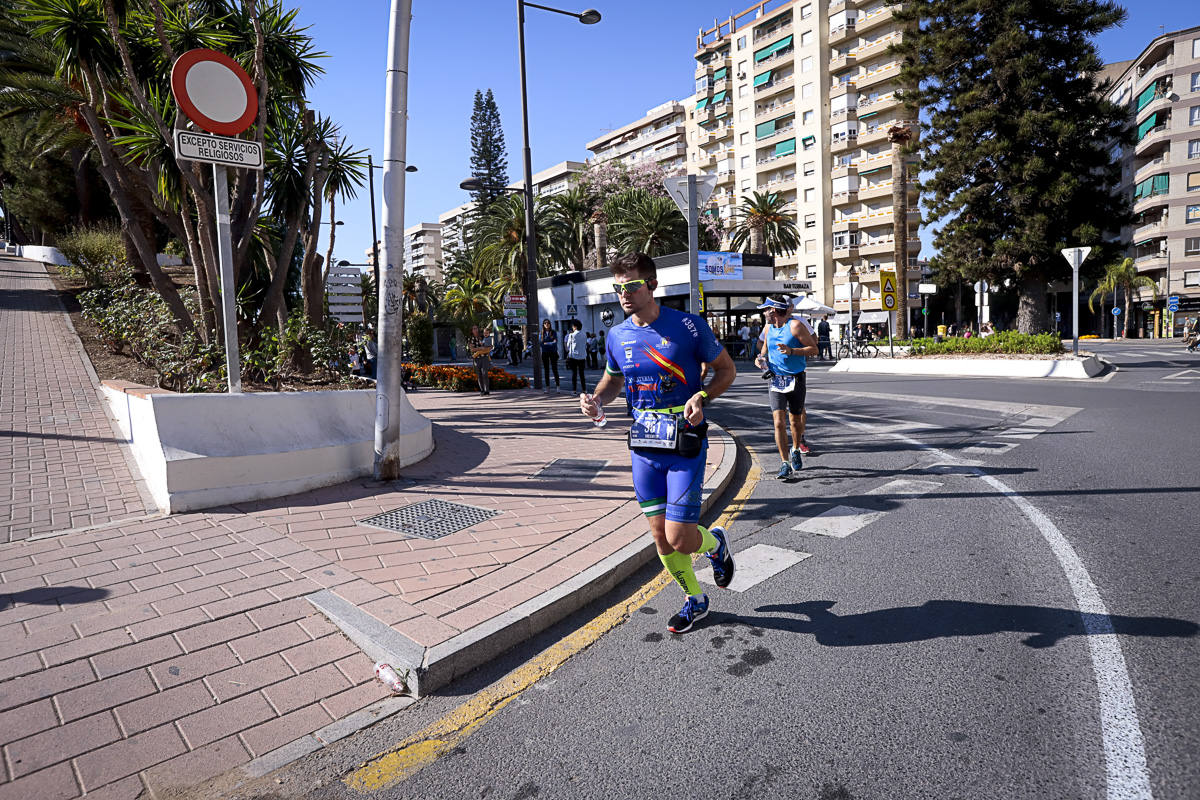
x: 214, y: 91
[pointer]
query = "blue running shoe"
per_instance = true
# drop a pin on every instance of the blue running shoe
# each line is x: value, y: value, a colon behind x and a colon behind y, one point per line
x: 797, y: 460
x: 721, y: 558
x: 785, y: 471
x: 692, y: 610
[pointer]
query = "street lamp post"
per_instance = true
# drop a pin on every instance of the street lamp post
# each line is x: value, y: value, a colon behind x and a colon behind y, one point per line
x: 1168, y: 327
x: 588, y: 17
x: 852, y: 274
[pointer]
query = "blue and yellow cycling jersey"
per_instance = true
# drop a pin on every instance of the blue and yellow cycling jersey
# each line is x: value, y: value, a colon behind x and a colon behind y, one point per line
x: 660, y: 362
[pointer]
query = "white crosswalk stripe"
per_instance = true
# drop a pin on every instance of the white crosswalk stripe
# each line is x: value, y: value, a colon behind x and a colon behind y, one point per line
x: 839, y: 521
x: 755, y: 564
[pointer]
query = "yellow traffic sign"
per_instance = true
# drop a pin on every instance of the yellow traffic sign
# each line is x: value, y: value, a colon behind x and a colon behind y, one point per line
x: 888, y: 295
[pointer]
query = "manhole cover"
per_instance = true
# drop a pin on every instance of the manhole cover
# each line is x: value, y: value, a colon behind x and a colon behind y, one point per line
x: 429, y: 519
x: 575, y: 469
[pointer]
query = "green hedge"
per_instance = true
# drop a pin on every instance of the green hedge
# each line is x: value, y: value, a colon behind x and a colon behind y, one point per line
x: 96, y: 254
x: 1003, y: 342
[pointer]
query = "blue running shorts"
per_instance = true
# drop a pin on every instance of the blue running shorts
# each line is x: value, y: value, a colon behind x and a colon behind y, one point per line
x: 669, y: 483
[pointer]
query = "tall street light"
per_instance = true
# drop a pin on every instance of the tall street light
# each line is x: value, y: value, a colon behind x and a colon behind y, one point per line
x: 589, y: 17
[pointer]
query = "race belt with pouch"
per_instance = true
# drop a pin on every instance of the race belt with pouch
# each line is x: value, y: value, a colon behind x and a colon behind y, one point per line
x: 782, y: 383
x: 665, y: 430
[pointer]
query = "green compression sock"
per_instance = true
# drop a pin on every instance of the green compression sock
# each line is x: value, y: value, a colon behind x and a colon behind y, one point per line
x: 708, y: 542
x: 679, y: 567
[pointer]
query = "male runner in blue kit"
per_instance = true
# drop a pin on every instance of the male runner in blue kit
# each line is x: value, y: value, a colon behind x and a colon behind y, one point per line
x: 655, y: 355
x: 787, y: 342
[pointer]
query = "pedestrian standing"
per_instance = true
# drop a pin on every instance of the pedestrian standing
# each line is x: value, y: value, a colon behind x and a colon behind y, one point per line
x: 656, y: 354
x: 787, y: 341
x: 480, y: 346
x: 824, y: 348
x: 744, y: 335
x: 575, y: 346
x: 549, y: 342
x: 514, y: 347
x: 592, y: 349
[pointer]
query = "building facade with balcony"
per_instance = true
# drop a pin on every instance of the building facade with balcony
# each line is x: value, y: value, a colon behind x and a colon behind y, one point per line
x: 657, y: 137
x: 780, y: 92
x: 1161, y: 172
x: 423, y: 251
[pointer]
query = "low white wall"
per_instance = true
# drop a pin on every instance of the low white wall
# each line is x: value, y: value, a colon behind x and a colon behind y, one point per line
x: 203, y: 450
x: 47, y: 255
x: 1088, y: 367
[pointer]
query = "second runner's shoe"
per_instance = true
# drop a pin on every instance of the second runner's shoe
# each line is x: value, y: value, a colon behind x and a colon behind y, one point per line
x: 692, y: 610
x: 796, y: 460
x: 721, y: 558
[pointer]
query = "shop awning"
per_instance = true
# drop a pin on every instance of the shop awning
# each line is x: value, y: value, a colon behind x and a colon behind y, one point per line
x: 785, y: 148
x: 872, y: 317
x: 868, y: 114
x: 759, y: 80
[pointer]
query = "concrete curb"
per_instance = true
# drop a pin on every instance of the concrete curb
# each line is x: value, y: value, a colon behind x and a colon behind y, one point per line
x: 1069, y: 369
x: 455, y: 657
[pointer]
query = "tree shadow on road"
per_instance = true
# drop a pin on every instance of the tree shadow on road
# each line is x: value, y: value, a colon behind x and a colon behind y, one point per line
x: 940, y: 619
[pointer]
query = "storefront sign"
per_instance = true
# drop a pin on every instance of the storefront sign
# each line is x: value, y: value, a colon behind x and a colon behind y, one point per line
x: 726, y: 266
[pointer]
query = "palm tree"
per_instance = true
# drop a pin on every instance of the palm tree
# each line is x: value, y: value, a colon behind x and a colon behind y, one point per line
x: 765, y: 224
x: 571, y: 214
x: 499, y: 238
x: 1121, y: 276
x: 641, y: 222
x: 470, y: 301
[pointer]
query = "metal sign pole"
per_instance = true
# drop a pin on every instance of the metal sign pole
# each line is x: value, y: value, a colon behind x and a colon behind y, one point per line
x: 233, y: 365
x: 693, y: 218
x: 891, y: 350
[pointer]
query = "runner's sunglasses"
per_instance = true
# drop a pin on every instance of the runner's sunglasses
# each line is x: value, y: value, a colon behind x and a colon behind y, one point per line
x: 629, y: 286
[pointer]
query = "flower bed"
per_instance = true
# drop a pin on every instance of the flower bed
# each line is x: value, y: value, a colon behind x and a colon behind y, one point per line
x: 460, y: 379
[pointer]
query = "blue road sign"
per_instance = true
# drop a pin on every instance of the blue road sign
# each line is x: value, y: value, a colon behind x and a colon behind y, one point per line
x: 1058, y: 316
x: 1116, y: 311
x: 1173, y: 305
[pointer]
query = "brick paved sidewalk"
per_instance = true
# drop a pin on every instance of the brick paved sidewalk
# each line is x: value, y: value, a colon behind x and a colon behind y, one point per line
x: 61, y: 465
x: 158, y: 654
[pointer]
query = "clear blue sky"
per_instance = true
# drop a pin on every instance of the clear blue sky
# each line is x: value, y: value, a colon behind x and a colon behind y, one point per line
x: 583, y: 80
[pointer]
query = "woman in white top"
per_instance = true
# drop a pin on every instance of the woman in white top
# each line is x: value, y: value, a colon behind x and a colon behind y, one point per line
x: 576, y: 346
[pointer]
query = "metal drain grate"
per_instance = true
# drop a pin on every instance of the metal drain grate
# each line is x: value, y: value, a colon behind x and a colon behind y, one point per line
x: 574, y: 469
x: 429, y: 519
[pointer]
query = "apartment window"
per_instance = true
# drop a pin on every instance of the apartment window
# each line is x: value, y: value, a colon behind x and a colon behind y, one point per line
x: 1194, y: 115
x: 806, y: 90
x: 743, y: 115
x: 807, y: 118
x: 745, y: 162
x: 1193, y: 184
x: 810, y: 167
x: 1195, y: 48
x: 810, y: 246
x: 741, y: 43
x: 806, y: 38
x: 810, y: 220
x: 809, y: 142
x: 811, y: 194
x: 1193, y: 214
x: 1191, y: 246
x: 1191, y: 278
x: 743, y: 90
x: 702, y: 84
x: 806, y: 64
x: 746, y: 185
x: 1196, y: 81
x: 810, y: 271
x: 1194, y: 148
x: 806, y: 12
x: 744, y: 138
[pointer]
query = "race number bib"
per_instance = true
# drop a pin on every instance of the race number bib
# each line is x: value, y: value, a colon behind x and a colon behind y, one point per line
x: 783, y: 383
x: 651, y: 430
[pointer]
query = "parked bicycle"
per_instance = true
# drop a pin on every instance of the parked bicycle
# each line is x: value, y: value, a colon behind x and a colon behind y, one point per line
x: 862, y: 349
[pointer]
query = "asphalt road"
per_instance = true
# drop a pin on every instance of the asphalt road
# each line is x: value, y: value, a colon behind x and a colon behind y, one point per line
x: 928, y: 641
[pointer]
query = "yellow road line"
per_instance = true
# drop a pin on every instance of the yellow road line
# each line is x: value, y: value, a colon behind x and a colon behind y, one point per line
x: 425, y: 747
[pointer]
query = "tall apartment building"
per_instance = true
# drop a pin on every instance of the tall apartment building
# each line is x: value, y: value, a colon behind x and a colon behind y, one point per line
x: 1161, y: 171
x: 423, y: 251
x: 779, y: 88
x: 658, y: 137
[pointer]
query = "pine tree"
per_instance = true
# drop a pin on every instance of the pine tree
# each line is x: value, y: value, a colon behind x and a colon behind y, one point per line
x: 489, y: 159
x: 1016, y: 149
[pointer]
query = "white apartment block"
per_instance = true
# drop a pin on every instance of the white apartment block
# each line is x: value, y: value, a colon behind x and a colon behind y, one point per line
x: 779, y: 92
x: 423, y: 251
x: 658, y: 137
x: 1161, y: 171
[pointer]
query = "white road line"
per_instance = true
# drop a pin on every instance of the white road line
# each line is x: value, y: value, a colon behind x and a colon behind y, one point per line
x: 1124, y: 748
x: 755, y: 564
x: 839, y: 521
x: 1185, y: 375
x: 905, y: 486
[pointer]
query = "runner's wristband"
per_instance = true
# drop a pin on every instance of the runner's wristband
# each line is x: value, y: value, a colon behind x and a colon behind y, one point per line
x: 704, y: 398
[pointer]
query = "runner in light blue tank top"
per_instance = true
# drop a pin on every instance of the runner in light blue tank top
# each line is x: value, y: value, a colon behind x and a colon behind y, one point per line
x: 787, y: 342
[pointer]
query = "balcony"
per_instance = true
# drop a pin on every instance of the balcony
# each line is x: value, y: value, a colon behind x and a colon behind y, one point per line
x: 1153, y: 165
x: 840, y: 88
x: 842, y: 171
x: 791, y: 126
x: 841, y: 144
x: 845, y: 252
x: 850, y: 112
x: 1154, y: 142
x: 725, y: 177
x: 884, y: 72
x: 1145, y: 204
x: 672, y: 151
x: 874, y: 19
x: 842, y: 32
x: 773, y: 31
x: 841, y: 5
x: 844, y: 198
x: 705, y: 161
x: 871, y: 191
x: 839, y: 63
x: 1151, y: 229
x: 777, y: 59
x: 778, y: 184
x: 774, y: 109
x: 776, y: 86
x: 845, y: 224
x: 1151, y: 71
x: 868, y: 107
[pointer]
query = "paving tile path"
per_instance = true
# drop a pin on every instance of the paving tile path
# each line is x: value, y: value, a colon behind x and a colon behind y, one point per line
x: 61, y: 465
